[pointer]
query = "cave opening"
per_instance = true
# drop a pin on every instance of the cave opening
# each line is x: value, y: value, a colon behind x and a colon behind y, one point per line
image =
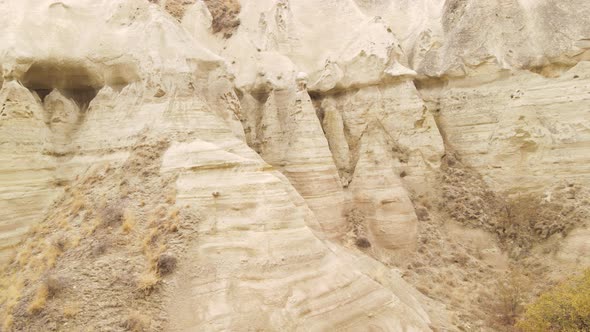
x: 76, y: 81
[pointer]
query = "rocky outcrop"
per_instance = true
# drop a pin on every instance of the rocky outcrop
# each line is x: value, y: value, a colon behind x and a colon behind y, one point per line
x: 522, y: 132
x: 291, y: 158
x: 251, y: 255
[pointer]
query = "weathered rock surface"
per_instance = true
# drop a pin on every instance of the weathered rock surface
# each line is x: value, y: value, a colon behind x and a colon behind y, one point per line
x: 296, y: 156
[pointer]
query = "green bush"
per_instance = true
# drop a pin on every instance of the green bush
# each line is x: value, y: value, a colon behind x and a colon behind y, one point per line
x: 564, y: 308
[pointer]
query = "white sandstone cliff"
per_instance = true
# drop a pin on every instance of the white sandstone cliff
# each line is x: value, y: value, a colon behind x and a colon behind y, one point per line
x: 297, y: 164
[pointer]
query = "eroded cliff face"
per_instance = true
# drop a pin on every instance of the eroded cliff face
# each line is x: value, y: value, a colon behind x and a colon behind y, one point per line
x: 288, y: 165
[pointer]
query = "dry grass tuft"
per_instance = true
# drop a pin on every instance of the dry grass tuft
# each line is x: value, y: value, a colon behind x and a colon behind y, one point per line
x: 150, y: 239
x: 129, y: 221
x: 24, y: 256
x: 147, y: 281
x: 49, y: 288
x: 39, y: 301
x: 77, y: 205
x: 52, y: 254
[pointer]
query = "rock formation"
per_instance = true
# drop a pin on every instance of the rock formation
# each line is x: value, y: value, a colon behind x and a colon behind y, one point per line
x: 288, y: 165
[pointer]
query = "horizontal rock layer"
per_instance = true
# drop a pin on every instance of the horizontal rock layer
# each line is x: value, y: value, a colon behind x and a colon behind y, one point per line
x: 301, y: 131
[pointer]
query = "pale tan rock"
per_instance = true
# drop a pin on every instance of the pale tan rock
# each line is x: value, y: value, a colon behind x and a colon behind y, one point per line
x: 525, y: 132
x: 257, y: 263
x: 282, y: 126
x: 246, y: 272
x: 289, y: 137
x: 27, y: 175
x: 377, y: 191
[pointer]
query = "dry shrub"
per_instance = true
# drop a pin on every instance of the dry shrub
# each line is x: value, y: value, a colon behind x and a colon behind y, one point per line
x: 362, y: 243
x: 174, y: 213
x: 357, y: 230
x: 75, y: 241
x: 99, y: 247
x: 225, y: 15
x: 508, y: 300
x: 166, y: 264
x: 136, y: 322
x: 356, y: 222
x: 529, y: 219
x: 24, y: 255
x: 111, y: 215
x: 422, y: 213
x: 54, y: 285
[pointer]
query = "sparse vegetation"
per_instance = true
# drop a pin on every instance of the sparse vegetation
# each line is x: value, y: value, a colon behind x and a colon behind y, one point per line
x: 225, y: 16
x: 357, y: 232
x: 564, y: 308
x: 520, y: 221
x: 71, y: 244
x: 509, y: 298
x: 39, y: 300
x: 51, y: 255
x: 54, y: 285
x: 224, y: 13
x: 136, y: 322
x: 49, y: 288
